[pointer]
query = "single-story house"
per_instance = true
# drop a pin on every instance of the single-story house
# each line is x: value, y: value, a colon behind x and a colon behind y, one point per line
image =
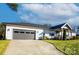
x: 62, y: 31
x: 27, y: 31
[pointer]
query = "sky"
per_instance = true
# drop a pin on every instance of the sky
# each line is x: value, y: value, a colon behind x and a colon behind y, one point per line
x: 7, y: 15
x: 53, y: 13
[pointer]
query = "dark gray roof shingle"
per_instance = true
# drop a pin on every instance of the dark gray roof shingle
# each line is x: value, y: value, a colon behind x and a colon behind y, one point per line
x: 57, y: 26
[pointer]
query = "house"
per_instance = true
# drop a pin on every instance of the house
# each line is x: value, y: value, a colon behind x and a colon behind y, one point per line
x: 28, y: 31
x: 24, y: 31
x: 62, y: 31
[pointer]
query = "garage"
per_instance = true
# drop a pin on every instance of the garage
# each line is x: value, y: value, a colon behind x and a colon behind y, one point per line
x: 23, y: 34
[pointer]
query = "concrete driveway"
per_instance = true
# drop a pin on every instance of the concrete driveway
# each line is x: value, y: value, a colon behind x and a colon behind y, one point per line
x: 31, y: 47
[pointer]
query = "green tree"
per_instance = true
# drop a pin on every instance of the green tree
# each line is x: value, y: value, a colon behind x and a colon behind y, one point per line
x: 2, y: 31
x: 13, y: 6
x: 64, y: 34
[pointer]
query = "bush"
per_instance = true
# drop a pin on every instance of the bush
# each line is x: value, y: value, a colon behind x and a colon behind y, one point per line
x: 43, y: 38
x: 46, y: 38
x: 1, y: 37
x: 77, y: 37
x: 40, y: 38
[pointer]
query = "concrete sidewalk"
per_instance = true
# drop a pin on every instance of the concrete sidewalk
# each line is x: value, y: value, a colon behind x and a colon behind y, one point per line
x: 31, y: 47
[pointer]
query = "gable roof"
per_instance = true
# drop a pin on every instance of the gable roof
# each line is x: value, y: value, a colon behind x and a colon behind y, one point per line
x: 57, y: 26
x: 60, y: 26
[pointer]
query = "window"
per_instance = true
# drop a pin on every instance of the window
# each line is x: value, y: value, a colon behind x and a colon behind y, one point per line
x: 32, y: 32
x: 21, y: 32
x: 8, y: 29
x: 27, y: 32
x: 51, y: 34
x: 16, y: 32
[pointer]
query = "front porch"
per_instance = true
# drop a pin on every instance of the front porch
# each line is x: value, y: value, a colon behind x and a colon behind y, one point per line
x: 63, y: 34
x: 62, y: 31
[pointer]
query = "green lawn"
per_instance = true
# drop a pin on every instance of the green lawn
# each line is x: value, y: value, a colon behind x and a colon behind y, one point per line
x: 69, y: 47
x: 3, y: 46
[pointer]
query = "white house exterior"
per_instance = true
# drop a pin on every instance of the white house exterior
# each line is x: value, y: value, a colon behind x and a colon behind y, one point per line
x: 34, y: 31
x: 10, y: 29
x: 59, y: 31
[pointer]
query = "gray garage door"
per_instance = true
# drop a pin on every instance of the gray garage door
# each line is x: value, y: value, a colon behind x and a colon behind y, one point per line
x: 23, y: 34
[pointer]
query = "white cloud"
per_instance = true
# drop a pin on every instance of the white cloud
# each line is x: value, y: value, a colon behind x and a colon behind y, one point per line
x: 53, y: 9
x: 49, y: 12
x: 74, y: 21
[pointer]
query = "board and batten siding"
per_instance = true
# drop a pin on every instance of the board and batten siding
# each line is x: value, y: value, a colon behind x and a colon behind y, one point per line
x: 9, y: 31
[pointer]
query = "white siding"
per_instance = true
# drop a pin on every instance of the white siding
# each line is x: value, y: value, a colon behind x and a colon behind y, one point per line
x: 64, y: 27
x: 69, y: 33
x: 9, y: 31
x: 73, y: 34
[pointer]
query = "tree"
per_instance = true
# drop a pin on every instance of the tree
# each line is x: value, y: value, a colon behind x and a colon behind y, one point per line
x: 2, y: 31
x: 64, y: 34
x: 13, y: 6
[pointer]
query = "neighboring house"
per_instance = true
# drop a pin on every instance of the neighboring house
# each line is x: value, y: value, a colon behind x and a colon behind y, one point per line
x: 29, y: 31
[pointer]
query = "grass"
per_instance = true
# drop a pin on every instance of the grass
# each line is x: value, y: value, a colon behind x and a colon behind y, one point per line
x: 68, y: 47
x: 3, y: 46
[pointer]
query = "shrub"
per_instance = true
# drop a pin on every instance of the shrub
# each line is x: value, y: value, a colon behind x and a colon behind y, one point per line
x: 77, y: 37
x: 46, y: 38
x: 40, y: 38
x: 43, y: 38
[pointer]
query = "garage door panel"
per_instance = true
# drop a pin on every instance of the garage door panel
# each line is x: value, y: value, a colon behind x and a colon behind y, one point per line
x: 31, y: 36
x: 23, y: 34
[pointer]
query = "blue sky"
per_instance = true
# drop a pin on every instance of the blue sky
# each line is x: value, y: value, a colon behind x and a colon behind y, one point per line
x: 41, y: 13
x: 7, y: 15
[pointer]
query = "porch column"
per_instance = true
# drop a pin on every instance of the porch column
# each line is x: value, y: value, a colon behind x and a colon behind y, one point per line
x: 62, y: 33
x: 68, y: 33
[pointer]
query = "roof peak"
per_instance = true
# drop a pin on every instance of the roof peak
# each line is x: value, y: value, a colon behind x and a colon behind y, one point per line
x: 57, y: 26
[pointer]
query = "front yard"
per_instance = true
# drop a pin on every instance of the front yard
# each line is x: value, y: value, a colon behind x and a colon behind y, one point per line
x: 68, y: 47
x: 3, y: 46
